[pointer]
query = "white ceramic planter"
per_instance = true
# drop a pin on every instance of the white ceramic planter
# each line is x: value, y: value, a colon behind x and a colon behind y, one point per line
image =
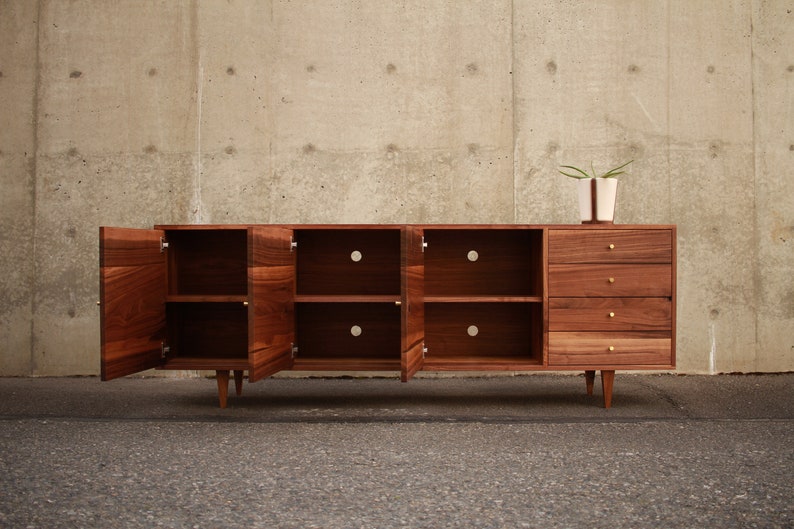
x: 606, y: 193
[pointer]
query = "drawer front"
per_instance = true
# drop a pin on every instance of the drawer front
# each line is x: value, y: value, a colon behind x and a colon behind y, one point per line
x: 610, y: 246
x: 610, y: 349
x: 566, y: 280
x: 610, y: 314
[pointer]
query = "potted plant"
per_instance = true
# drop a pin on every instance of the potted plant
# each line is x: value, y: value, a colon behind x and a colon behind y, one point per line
x: 597, y: 193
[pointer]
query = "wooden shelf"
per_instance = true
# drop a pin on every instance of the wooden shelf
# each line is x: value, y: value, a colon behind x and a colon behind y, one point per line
x: 482, y: 363
x: 483, y: 299
x: 346, y: 364
x: 322, y: 298
x: 209, y: 364
x: 200, y: 298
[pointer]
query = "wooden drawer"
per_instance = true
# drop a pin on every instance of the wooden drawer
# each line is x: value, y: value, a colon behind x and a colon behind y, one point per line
x: 600, y: 280
x: 610, y: 246
x: 610, y: 314
x: 598, y: 349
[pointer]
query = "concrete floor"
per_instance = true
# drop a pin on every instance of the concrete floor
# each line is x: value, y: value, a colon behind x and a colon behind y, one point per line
x: 524, y: 451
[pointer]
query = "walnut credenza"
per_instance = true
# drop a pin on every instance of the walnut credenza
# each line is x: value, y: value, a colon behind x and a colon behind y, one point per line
x: 267, y: 298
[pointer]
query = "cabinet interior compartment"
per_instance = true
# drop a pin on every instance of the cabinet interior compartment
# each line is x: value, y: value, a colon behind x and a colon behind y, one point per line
x: 348, y: 330
x: 484, y: 331
x: 207, y: 262
x: 348, y: 262
x: 487, y: 262
x: 207, y: 330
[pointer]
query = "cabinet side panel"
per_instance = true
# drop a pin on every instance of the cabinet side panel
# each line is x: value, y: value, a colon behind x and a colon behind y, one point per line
x: 271, y: 291
x: 132, y: 300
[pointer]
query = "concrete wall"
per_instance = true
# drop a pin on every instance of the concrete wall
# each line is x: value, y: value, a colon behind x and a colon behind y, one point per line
x: 140, y: 112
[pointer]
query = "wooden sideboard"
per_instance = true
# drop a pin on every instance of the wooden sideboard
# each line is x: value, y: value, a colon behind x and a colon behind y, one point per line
x: 402, y: 298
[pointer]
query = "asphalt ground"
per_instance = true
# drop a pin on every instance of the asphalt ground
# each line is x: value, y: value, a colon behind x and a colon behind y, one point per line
x: 522, y: 451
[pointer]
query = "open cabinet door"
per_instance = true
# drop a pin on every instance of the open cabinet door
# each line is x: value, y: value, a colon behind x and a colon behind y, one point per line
x: 271, y: 304
x: 132, y: 287
x: 413, y: 302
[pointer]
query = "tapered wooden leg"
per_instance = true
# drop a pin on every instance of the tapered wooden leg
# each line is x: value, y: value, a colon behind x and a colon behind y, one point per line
x: 607, y: 381
x: 222, y: 376
x: 589, y: 378
x: 238, y: 382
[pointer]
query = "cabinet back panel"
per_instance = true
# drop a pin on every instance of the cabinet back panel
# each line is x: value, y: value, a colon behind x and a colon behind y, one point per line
x: 348, y: 330
x: 211, y: 262
x: 217, y: 330
x: 348, y: 262
x: 484, y: 329
x: 483, y: 262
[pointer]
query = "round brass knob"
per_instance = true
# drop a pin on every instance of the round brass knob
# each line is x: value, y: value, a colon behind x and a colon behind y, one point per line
x: 611, y: 279
x: 611, y: 314
x: 611, y: 246
x: 611, y: 347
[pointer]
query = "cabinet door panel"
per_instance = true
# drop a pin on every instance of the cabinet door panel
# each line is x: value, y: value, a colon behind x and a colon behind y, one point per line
x: 567, y: 280
x: 610, y: 246
x: 413, y: 308
x: 602, y: 314
x: 271, y: 292
x: 132, y: 269
x: 598, y: 349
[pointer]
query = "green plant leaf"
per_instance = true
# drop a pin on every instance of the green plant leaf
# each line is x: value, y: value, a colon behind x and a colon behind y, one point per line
x: 581, y: 176
x: 616, y: 171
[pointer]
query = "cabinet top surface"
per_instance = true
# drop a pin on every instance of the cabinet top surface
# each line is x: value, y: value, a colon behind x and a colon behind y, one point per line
x: 423, y: 226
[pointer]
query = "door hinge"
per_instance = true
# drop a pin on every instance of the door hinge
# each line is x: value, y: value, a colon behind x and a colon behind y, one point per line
x: 424, y: 244
x: 293, y: 244
x: 294, y: 349
x: 424, y: 350
x: 164, y: 350
x: 163, y: 244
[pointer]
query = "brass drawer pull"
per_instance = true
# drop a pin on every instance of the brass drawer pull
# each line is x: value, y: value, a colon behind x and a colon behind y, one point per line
x: 611, y: 246
x: 611, y: 347
x: 611, y: 279
x: 611, y: 314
